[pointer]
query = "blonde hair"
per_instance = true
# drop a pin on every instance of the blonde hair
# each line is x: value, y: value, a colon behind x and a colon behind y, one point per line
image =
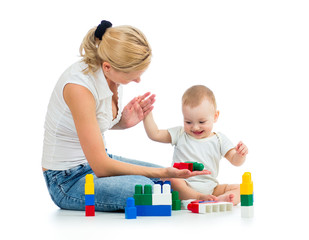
x: 125, y: 48
x: 195, y: 94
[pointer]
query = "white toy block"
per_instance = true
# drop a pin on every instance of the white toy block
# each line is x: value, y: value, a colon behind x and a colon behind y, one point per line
x: 208, y: 208
x: 164, y: 198
x: 185, y: 203
x: 215, y: 207
x: 247, y: 211
x: 229, y: 206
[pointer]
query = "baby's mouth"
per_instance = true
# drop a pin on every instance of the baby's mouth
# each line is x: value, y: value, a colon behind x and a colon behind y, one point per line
x: 198, y: 132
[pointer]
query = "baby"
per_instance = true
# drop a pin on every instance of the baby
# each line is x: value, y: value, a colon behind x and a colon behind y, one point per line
x: 196, y: 141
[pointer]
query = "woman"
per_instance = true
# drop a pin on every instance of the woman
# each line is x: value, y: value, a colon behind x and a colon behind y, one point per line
x: 85, y: 103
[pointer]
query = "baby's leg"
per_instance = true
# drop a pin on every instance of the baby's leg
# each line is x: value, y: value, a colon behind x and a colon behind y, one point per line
x: 228, y: 193
x: 186, y: 192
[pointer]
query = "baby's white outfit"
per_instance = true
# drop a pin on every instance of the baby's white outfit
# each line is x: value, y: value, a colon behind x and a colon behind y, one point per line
x: 208, y: 151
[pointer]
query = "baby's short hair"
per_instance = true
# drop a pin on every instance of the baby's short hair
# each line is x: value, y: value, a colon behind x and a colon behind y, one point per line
x: 195, y: 94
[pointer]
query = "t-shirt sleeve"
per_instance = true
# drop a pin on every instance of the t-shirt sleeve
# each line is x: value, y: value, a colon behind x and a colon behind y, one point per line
x: 226, y: 144
x: 175, y: 133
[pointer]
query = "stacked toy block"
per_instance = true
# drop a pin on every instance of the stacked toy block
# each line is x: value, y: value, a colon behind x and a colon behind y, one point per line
x: 152, y: 201
x: 209, y: 206
x: 246, y: 195
x: 89, y: 196
x: 192, y: 166
x: 130, y: 209
x: 158, y: 203
x: 176, y: 202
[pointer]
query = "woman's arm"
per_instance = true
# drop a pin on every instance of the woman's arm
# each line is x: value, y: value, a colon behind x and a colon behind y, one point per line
x: 82, y: 105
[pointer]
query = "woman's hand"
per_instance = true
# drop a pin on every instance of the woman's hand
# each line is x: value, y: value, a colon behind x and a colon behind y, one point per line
x: 184, y: 173
x: 146, y: 102
x: 135, y: 111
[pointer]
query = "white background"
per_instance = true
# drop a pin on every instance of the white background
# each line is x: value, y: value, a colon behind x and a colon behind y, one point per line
x: 254, y: 55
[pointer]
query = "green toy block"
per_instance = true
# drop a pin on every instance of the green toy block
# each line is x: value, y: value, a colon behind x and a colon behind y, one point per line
x: 197, y: 166
x: 246, y: 200
x: 143, y: 198
x: 176, y: 203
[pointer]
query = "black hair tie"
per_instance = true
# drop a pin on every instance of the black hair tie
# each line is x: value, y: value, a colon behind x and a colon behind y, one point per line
x: 99, y: 32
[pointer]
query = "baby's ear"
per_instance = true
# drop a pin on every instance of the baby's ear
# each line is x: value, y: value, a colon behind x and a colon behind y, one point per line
x: 216, y: 116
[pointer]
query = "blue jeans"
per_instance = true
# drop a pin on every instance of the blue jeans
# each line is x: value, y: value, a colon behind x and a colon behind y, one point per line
x: 67, y: 189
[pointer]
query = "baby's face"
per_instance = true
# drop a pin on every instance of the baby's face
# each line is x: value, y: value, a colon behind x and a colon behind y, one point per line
x: 198, y: 121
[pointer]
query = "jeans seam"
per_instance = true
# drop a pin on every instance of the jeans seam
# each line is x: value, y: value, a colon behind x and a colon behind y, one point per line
x: 68, y: 197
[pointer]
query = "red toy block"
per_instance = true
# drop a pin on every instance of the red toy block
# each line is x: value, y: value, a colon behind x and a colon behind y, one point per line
x: 89, y: 211
x: 181, y: 165
x: 193, y: 207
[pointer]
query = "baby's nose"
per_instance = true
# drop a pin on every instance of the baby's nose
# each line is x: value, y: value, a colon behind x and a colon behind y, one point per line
x: 195, y: 127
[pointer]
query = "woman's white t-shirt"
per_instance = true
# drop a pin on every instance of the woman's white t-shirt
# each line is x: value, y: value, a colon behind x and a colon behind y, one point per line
x: 61, y: 147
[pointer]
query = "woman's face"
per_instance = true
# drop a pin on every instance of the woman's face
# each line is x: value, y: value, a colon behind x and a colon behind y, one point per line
x: 121, y: 77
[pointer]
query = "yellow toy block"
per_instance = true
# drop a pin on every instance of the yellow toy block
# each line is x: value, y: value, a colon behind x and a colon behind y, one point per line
x: 246, y: 187
x: 89, y: 184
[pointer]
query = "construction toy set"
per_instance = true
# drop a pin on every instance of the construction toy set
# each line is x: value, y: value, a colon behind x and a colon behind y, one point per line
x: 246, y: 196
x: 160, y: 200
x: 156, y: 201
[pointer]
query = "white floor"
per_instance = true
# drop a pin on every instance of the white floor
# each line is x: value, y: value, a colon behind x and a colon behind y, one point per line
x: 271, y: 220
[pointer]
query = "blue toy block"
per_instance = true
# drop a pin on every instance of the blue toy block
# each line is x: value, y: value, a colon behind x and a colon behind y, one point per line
x: 130, y: 209
x: 158, y: 182
x: 89, y: 200
x: 155, y: 210
x: 167, y: 182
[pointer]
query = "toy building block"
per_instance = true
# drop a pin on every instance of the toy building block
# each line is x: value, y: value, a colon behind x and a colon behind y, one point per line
x: 154, y: 210
x: 197, y: 166
x: 89, y: 184
x: 89, y: 196
x: 89, y: 211
x: 162, y: 197
x: 130, y: 209
x: 181, y: 165
x: 89, y: 200
x: 176, y: 203
x: 246, y: 200
x: 246, y: 196
x: 158, y: 203
x: 192, y: 166
x: 247, y: 212
x: 143, y: 198
x: 159, y: 182
x: 246, y: 187
x: 209, y: 206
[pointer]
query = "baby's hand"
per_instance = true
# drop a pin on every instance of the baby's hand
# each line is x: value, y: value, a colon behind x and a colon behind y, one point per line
x: 241, y: 149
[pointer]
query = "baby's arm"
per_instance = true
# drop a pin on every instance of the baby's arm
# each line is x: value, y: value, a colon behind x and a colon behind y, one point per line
x: 237, y: 155
x: 153, y: 132
x: 186, y: 192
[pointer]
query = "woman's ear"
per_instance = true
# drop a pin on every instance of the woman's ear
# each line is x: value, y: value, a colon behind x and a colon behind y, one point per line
x: 106, y: 67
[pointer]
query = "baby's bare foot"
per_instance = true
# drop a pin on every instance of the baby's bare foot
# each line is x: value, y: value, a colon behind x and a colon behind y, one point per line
x: 207, y: 197
x: 226, y: 198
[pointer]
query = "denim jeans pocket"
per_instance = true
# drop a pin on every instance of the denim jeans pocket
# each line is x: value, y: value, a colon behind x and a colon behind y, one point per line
x: 69, y: 177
